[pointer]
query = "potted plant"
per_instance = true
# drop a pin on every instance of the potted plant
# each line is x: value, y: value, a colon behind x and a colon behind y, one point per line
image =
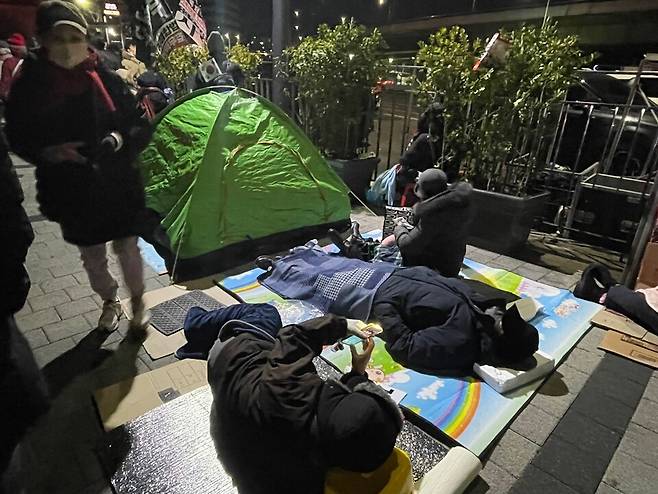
x: 180, y: 64
x: 335, y: 72
x: 248, y: 60
x: 494, y: 115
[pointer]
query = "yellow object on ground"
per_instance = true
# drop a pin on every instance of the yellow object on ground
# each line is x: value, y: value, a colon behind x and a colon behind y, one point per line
x: 393, y: 477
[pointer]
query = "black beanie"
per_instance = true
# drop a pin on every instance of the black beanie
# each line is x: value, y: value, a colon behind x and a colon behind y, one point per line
x: 520, y: 339
x: 358, y: 430
x: 431, y: 182
x: 56, y: 12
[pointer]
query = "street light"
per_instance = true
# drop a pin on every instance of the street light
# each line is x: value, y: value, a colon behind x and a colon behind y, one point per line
x: 296, y: 13
x: 381, y: 2
x: 343, y: 19
x: 237, y: 37
x: 296, y: 28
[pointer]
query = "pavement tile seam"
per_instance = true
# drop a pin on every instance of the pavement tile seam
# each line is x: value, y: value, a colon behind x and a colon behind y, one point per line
x: 519, y: 486
x: 630, y: 476
x: 638, y: 455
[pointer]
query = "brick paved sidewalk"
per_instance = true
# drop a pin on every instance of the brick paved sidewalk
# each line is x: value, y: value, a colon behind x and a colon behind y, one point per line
x: 62, y: 310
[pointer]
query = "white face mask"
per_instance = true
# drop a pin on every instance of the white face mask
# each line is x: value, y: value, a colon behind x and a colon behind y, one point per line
x: 68, y: 55
x: 66, y: 46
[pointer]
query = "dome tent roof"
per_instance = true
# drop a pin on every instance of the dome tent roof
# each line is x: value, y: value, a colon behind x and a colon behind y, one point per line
x: 231, y: 177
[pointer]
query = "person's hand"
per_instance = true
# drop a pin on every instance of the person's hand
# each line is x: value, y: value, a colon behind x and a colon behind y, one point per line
x: 67, y: 152
x: 402, y: 222
x: 360, y: 360
x: 353, y: 326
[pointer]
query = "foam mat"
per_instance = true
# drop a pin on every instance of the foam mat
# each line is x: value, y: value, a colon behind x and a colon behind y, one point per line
x: 169, y: 449
x: 465, y: 409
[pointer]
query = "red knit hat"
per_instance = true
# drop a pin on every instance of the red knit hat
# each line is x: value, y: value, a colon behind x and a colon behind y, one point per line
x: 16, y: 39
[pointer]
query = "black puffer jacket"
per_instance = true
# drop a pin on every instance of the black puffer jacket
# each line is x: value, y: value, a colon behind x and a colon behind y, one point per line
x: 438, y: 239
x: 432, y: 323
x: 95, y: 202
x: 16, y: 234
x: 278, y: 426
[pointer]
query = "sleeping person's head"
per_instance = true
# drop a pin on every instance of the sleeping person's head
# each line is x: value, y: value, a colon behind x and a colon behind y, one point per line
x: 512, y: 341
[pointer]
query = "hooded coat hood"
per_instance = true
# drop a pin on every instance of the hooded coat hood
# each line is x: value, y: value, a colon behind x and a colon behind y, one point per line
x: 273, y: 415
x: 438, y: 239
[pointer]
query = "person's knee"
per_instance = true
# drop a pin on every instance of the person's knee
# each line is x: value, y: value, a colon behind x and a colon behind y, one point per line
x: 93, y: 258
x: 124, y: 246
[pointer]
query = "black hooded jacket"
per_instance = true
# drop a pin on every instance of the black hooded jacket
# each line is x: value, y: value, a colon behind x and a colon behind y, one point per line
x: 98, y: 201
x: 278, y: 426
x: 435, y: 324
x: 438, y: 239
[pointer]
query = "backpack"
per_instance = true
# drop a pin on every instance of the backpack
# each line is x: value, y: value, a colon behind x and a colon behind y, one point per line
x: 382, y: 191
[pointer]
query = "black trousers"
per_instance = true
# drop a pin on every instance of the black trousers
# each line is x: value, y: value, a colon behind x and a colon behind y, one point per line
x: 633, y: 305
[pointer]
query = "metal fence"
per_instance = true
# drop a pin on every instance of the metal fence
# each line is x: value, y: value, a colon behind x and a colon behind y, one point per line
x: 597, y: 160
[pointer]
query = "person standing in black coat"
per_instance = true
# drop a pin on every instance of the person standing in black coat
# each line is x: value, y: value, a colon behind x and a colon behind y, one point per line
x: 277, y: 426
x: 23, y: 391
x: 79, y: 124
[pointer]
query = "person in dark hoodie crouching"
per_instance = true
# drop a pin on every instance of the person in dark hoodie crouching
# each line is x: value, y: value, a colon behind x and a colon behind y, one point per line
x: 441, y: 221
x: 277, y: 426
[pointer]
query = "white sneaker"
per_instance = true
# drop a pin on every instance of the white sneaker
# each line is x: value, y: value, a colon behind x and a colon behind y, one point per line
x: 109, y: 320
x: 141, y: 316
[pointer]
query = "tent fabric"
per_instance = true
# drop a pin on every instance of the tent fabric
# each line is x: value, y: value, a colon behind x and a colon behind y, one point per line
x: 230, y: 173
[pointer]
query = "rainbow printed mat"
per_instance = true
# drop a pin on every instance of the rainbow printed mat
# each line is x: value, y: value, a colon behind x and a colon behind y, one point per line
x: 466, y: 409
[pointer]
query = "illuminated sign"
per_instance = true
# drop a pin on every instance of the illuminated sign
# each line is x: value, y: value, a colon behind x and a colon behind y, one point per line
x: 111, y: 10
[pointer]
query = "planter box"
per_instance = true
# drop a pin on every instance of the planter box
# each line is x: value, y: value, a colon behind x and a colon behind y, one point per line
x: 355, y: 173
x: 502, y: 223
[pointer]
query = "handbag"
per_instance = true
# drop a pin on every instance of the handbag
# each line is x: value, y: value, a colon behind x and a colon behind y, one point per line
x: 393, y: 213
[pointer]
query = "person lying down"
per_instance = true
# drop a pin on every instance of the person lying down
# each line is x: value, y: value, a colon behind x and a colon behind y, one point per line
x: 277, y: 426
x: 431, y: 323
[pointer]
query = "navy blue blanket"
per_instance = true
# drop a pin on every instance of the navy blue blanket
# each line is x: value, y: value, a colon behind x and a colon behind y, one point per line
x: 333, y: 284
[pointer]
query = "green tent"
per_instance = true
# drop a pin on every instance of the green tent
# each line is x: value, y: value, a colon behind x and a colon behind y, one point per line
x: 231, y: 177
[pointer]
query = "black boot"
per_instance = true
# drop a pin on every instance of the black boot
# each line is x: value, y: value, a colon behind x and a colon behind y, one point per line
x: 595, y: 281
x: 265, y: 263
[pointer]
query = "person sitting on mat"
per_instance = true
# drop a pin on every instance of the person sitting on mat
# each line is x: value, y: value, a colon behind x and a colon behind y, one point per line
x: 431, y: 323
x: 441, y: 221
x: 598, y: 285
x: 277, y: 426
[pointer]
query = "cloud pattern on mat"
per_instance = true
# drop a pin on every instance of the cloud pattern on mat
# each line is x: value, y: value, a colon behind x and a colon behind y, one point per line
x: 430, y: 392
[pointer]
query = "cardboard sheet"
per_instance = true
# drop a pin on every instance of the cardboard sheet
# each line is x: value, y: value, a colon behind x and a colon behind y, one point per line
x: 648, y: 276
x: 632, y: 348
x: 156, y: 344
x: 126, y: 400
x: 627, y: 339
x: 608, y: 319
